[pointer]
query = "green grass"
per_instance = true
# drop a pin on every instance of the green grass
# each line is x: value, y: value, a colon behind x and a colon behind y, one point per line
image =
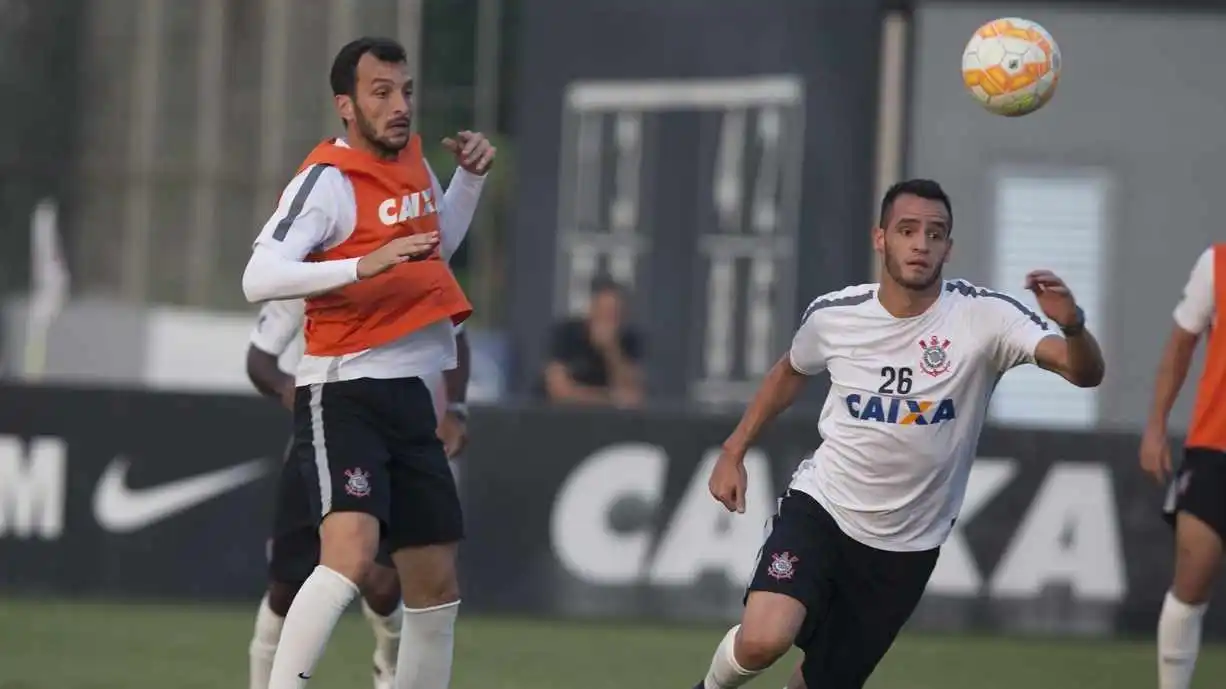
x: 69, y: 645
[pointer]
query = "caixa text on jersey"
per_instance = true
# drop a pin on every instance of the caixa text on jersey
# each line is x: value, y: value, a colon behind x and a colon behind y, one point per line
x: 899, y: 410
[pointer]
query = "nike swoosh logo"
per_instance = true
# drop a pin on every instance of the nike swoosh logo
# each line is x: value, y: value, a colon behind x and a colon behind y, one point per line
x: 120, y: 509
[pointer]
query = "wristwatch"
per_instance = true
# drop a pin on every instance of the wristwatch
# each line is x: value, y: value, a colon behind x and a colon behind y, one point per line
x: 1077, y: 326
x: 459, y: 410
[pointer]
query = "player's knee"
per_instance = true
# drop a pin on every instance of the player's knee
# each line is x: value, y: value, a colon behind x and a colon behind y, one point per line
x: 428, y: 576
x: 348, y: 544
x: 281, y: 596
x: 381, y: 589
x: 429, y: 589
x: 759, y: 646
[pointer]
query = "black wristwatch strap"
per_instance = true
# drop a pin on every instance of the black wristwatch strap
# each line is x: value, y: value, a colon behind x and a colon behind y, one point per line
x: 1077, y: 327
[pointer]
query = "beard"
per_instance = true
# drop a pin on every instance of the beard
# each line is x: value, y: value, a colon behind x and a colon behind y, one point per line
x: 367, y: 129
x: 897, y: 273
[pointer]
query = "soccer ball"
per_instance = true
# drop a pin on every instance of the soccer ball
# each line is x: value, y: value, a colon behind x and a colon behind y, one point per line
x: 1011, y: 66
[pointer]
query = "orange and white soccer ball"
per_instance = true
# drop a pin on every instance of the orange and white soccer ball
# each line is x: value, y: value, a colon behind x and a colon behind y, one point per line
x: 1011, y: 66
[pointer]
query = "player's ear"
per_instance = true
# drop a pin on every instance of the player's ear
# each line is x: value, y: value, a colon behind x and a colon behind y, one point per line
x: 949, y: 250
x: 879, y: 240
x: 344, y: 107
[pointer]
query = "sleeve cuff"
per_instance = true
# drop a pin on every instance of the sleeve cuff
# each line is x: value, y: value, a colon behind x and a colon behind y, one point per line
x: 465, y: 178
x: 796, y: 367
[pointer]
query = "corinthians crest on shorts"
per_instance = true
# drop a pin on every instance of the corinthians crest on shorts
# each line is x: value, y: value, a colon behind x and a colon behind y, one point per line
x: 935, y: 359
x: 358, y: 483
x: 783, y: 565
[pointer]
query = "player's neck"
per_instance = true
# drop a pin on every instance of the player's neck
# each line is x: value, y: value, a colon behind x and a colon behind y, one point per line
x: 362, y: 144
x: 903, y: 302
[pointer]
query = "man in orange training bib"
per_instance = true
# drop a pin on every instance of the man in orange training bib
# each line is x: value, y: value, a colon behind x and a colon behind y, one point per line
x: 1196, y: 501
x: 357, y: 235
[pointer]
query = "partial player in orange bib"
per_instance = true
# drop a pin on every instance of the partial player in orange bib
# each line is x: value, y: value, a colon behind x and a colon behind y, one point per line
x: 1196, y: 497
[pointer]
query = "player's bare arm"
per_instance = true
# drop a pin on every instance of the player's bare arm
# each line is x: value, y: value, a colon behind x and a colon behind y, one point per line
x: 1172, y: 372
x: 1192, y: 317
x: 453, y: 427
x: 777, y: 392
x: 268, y: 378
x: 1076, y: 356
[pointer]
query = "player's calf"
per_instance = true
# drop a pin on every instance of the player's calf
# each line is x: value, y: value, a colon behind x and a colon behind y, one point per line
x: 431, y: 594
x: 269, y: 621
x: 263, y: 647
x: 382, y: 608
x: 348, y: 544
x: 281, y: 595
x: 381, y: 590
x: 1198, y: 557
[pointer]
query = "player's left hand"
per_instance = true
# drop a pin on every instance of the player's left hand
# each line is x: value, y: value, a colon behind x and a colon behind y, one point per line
x: 453, y: 431
x: 1054, y: 297
x: 472, y: 151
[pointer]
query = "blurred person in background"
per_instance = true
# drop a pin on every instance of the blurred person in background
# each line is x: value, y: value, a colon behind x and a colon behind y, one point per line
x: 275, y: 349
x: 357, y: 235
x: 596, y: 360
x: 1196, y: 498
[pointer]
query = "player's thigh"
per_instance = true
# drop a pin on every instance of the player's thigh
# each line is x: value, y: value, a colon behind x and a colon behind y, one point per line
x: 791, y: 588
x: 876, y: 593
x: 1200, y: 522
x: 1198, y: 559
x: 425, y: 510
x: 344, y: 458
x: 294, y: 546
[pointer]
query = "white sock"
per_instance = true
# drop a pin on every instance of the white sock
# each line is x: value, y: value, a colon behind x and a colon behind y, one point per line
x: 387, y: 635
x: 264, y: 644
x: 1178, y: 642
x: 427, y: 641
x: 317, y: 607
x: 725, y: 672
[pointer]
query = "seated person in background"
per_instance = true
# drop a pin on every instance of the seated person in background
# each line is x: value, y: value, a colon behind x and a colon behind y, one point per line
x: 595, y: 360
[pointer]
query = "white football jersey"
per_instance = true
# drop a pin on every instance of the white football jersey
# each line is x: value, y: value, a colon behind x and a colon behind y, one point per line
x: 908, y: 398
x: 278, y: 331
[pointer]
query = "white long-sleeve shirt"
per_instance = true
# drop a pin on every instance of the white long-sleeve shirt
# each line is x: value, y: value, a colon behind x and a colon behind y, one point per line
x: 318, y: 211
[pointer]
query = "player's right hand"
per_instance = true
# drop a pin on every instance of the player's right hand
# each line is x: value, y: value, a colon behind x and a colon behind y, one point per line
x: 397, y: 251
x: 1156, y: 454
x: 728, y: 481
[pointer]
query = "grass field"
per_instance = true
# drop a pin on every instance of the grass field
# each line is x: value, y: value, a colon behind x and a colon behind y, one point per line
x: 64, y: 645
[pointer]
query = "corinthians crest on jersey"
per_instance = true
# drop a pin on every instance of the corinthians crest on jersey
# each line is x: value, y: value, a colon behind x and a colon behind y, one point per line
x: 935, y: 358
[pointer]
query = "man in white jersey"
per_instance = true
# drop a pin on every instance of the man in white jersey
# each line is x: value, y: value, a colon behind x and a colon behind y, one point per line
x: 356, y: 234
x: 275, y: 350
x: 912, y: 361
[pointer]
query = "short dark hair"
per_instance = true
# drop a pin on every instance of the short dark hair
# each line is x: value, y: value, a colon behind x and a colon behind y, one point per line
x: 923, y: 188
x: 344, y: 76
